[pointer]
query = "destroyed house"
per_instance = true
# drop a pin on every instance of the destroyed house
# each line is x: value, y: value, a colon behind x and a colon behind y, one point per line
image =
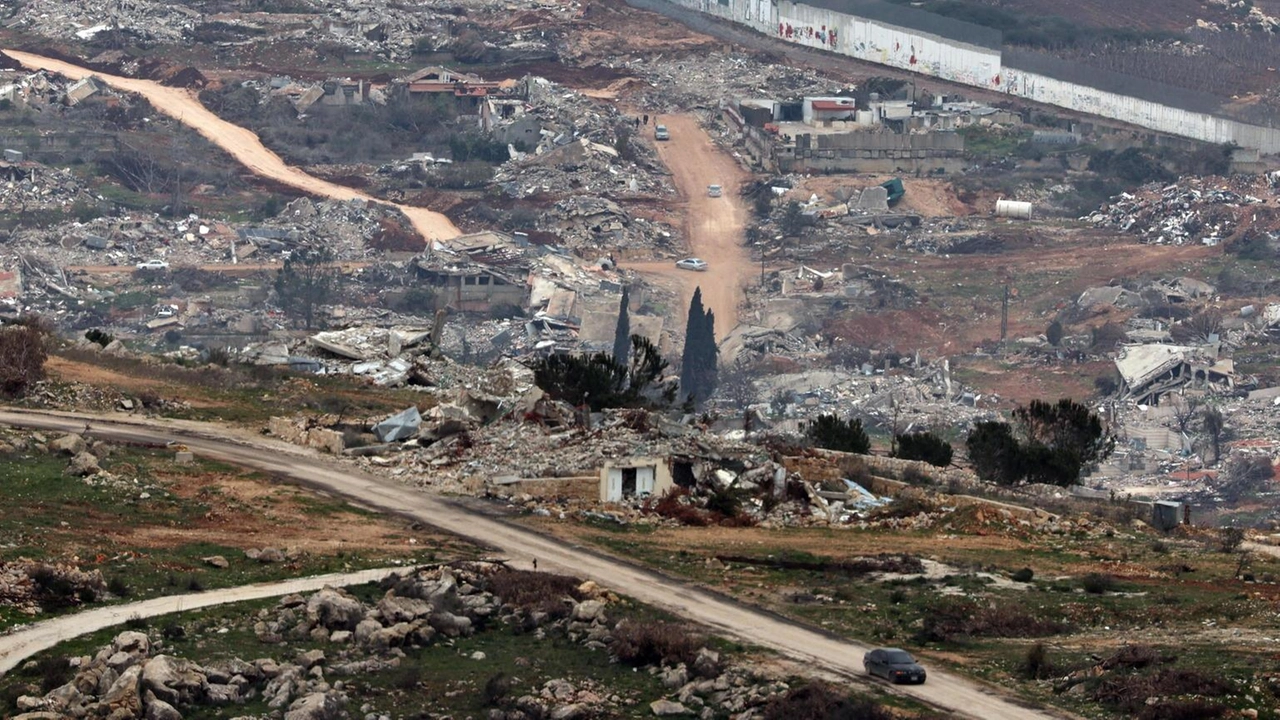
x: 469, y: 287
x: 472, y: 95
x: 1149, y: 371
x: 634, y: 477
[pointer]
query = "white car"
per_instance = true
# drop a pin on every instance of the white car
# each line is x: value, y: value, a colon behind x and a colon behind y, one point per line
x: 714, y: 191
x: 692, y: 264
x: 660, y: 132
x: 153, y: 265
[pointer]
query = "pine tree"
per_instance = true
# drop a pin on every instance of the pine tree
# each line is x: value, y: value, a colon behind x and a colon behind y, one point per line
x: 622, y: 334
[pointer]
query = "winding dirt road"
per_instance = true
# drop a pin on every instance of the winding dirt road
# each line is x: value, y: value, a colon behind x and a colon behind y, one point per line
x: 31, y: 639
x: 720, y: 614
x: 714, y: 227
x: 240, y: 143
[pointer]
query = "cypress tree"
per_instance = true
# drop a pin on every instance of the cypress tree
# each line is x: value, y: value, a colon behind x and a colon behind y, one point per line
x: 622, y: 333
x: 698, y: 363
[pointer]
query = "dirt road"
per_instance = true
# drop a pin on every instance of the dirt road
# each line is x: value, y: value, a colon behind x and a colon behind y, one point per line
x: 722, y: 615
x: 240, y: 143
x: 31, y: 639
x: 714, y: 226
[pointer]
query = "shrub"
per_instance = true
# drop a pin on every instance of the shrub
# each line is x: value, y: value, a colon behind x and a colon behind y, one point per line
x: 1054, y: 333
x: 118, y: 587
x: 98, y: 336
x: 832, y: 433
x: 1098, y: 583
x: 821, y: 701
x: 407, y: 676
x: 1230, y: 539
x: 194, y: 584
x: 23, y: 351
x: 54, y: 672
x: 1182, y: 710
x: 923, y: 446
x: 173, y: 631
x: 496, y: 690
x: 957, y: 617
x: 1036, y: 665
x: 136, y: 622
x: 1023, y: 575
x: 534, y: 591
x: 639, y: 644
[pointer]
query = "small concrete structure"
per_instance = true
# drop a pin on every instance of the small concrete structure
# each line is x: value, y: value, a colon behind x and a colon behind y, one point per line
x: 184, y: 457
x: 634, y: 477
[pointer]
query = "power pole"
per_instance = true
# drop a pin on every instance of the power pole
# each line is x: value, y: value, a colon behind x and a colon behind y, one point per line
x: 1004, y: 315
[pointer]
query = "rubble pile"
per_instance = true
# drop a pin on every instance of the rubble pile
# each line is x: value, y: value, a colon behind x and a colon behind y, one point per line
x: 1190, y: 211
x: 698, y: 80
x: 925, y: 399
x: 25, y: 584
x: 145, y: 20
x: 32, y: 187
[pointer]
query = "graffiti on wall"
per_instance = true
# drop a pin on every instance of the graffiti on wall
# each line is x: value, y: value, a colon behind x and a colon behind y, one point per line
x: 827, y: 37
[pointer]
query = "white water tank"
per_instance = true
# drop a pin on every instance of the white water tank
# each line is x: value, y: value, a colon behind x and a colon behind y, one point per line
x: 1013, y: 209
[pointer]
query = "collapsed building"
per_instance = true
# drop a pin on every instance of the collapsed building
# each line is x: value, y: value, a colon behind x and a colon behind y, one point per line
x: 1150, y: 371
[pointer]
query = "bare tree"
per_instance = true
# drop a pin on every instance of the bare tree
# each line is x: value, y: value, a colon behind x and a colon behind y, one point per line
x: 1185, y: 409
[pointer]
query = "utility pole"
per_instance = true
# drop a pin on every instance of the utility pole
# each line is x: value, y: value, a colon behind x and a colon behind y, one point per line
x: 1004, y: 315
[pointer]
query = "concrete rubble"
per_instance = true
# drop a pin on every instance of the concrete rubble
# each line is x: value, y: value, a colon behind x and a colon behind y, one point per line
x: 1190, y: 211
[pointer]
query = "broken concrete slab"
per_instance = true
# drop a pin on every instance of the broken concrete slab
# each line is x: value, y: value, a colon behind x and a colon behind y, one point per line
x: 401, y: 426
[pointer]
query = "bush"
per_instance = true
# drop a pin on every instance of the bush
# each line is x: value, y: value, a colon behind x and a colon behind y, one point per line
x: 194, y: 584
x: 1024, y: 575
x: 1098, y: 583
x: 923, y: 446
x: 23, y: 351
x: 1182, y: 710
x: 1036, y: 665
x: 534, y: 591
x: 832, y: 433
x: 640, y: 644
x: 821, y: 701
x: 118, y: 587
x: 99, y: 336
x: 136, y: 622
x: 54, y: 672
x: 957, y: 617
x: 1230, y: 539
x: 496, y: 690
x: 1054, y: 333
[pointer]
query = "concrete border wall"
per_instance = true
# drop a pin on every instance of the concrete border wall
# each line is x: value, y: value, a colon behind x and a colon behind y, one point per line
x: 881, y: 42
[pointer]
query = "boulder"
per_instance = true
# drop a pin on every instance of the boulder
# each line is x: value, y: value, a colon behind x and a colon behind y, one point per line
x: 69, y: 445
x: 334, y: 610
x: 316, y: 706
x: 707, y: 663
x: 158, y: 709
x: 132, y: 641
x: 220, y: 694
x: 589, y: 611
x: 173, y: 680
x: 365, y: 629
x: 571, y: 712
x: 124, y: 696
x: 662, y: 708
x: 216, y: 561
x: 83, y: 465
x: 394, y: 609
x: 270, y: 555
x: 451, y: 625
x: 310, y: 659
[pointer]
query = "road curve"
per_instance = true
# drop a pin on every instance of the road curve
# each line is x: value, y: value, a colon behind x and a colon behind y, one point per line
x: 241, y: 143
x: 722, y: 615
x: 28, y: 640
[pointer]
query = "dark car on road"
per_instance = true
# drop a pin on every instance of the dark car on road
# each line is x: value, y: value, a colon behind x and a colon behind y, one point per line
x: 894, y: 665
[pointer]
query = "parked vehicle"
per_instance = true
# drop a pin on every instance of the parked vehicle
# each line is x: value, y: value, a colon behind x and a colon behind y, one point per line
x: 714, y: 190
x: 692, y: 264
x: 153, y: 265
x: 894, y: 665
x: 660, y: 133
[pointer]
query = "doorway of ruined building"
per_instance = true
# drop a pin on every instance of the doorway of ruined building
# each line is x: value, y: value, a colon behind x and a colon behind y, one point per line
x: 682, y: 474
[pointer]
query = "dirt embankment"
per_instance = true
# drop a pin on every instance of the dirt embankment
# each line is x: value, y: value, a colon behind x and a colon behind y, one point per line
x: 240, y: 143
